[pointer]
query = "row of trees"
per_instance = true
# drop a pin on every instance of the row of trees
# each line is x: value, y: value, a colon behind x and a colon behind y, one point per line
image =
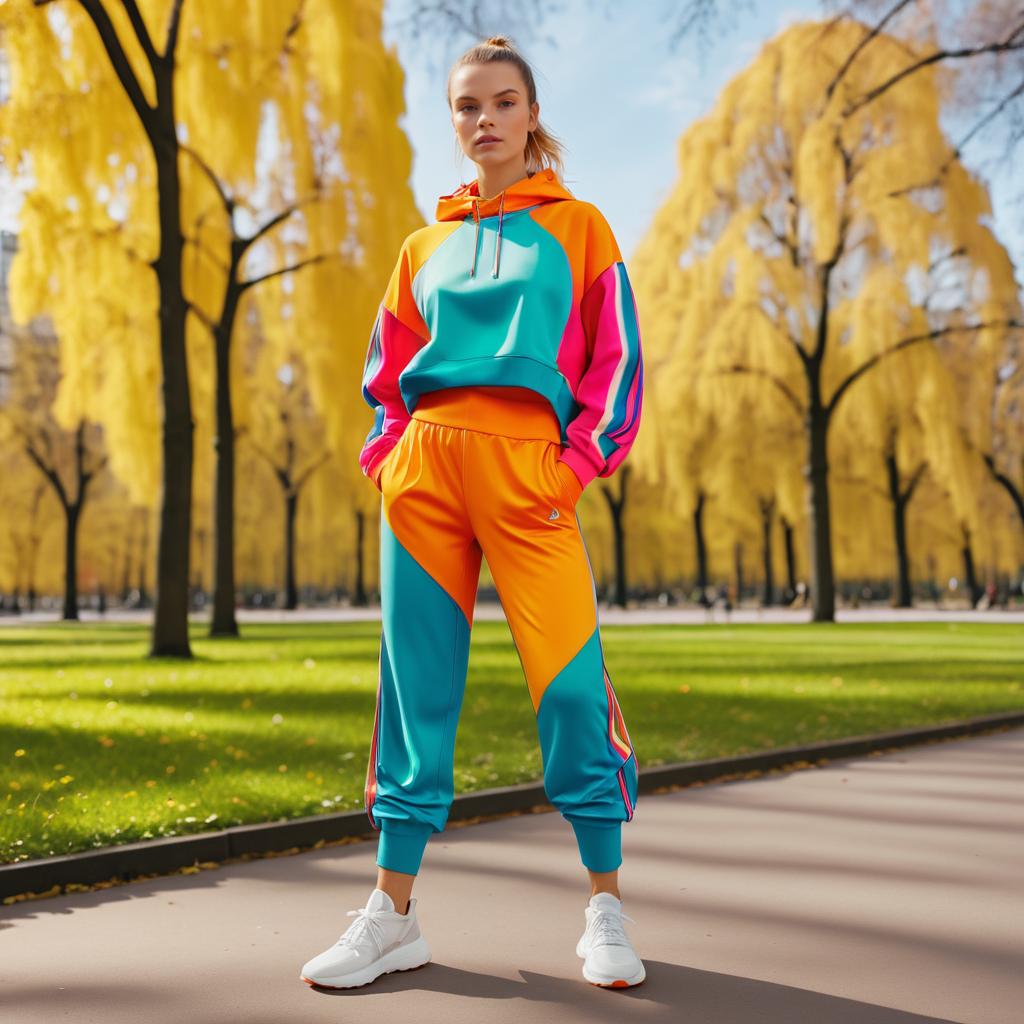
x: 823, y: 282
x: 209, y: 184
x: 186, y: 161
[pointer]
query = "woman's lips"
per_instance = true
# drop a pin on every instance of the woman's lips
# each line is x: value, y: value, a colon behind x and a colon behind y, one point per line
x: 488, y: 142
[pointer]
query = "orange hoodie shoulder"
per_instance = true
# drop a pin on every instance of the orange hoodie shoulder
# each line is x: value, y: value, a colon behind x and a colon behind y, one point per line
x: 584, y: 234
x: 415, y: 251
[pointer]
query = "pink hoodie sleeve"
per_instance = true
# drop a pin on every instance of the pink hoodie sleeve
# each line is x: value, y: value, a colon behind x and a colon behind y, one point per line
x: 393, y: 343
x: 610, y: 391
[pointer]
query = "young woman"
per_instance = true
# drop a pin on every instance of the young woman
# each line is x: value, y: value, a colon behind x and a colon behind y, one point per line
x: 505, y: 372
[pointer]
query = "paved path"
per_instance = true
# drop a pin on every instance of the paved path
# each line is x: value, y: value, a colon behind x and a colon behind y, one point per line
x: 876, y: 889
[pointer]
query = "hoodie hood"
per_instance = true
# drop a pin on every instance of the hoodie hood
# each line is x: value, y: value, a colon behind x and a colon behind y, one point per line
x: 532, y: 190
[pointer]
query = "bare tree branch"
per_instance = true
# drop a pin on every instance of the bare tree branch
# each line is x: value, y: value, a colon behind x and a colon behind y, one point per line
x: 906, y: 343
x: 201, y: 315
x: 245, y: 285
x: 209, y: 253
x: 141, y: 32
x: 119, y: 62
x: 1011, y: 43
x: 271, y: 461
x: 958, y: 150
x: 783, y: 335
x: 855, y: 52
x: 227, y: 201
x: 779, y: 383
x: 277, y: 219
x: 302, y: 477
x: 49, y: 471
x: 173, y: 27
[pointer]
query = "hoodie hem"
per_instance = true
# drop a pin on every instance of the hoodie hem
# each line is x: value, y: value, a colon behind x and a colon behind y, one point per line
x: 518, y: 371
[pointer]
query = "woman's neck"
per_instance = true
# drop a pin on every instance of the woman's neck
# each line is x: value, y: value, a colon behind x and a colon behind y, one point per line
x: 491, y: 181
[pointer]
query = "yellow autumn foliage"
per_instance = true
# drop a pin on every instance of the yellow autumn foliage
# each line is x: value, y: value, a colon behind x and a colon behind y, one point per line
x: 787, y: 192
x: 287, y: 105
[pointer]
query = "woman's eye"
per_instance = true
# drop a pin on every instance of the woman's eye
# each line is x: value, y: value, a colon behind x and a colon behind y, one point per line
x: 472, y: 106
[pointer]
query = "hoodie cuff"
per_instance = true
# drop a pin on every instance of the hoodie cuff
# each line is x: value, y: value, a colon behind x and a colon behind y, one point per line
x: 580, y: 465
x: 374, y: 471
x: 375, y: 468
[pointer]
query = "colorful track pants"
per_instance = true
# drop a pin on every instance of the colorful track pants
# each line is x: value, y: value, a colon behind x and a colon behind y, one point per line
x: 474, y: 473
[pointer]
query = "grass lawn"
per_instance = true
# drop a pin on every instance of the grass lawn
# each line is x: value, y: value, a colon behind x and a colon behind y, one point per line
x: 101, y: 745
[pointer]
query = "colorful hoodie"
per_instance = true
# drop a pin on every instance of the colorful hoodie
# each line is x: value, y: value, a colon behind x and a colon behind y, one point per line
x: 528, y: 289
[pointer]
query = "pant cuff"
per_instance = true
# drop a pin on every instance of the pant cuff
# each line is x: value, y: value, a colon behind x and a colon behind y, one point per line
x: 600, y: 845
x: 401, y: 845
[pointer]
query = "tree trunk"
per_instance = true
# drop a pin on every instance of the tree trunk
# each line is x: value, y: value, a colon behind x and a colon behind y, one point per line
x: 903, y: 597
x: 223, y: 622
x: 126, y: 575
x: 616, y: 509
x: 619, y: 524
x: 819, y: 515
x: 359, y: 595
x: 970, y: 579
x: 170, y: 619
x: 144, y: 601
x: 1009, y: 486
x: 701, y: 549
x: 767, y: 516
x: 790, y: 548
x: 290, y: 512
x: 71, y: 513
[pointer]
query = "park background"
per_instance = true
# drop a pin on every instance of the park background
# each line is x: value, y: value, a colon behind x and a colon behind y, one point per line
x: 820, y: 219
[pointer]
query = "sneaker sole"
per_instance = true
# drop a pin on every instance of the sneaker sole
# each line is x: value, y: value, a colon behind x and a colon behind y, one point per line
x: 618, y: 982
x: 405, y: 958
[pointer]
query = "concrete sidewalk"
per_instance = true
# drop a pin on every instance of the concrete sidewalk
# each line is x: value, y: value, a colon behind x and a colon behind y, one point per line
x: 877, y: 889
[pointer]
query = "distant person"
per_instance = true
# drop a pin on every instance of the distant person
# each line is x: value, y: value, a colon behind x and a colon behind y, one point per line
x: 505, y: 371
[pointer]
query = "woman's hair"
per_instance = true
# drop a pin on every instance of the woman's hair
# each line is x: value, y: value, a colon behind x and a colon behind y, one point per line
x: 542, y: 148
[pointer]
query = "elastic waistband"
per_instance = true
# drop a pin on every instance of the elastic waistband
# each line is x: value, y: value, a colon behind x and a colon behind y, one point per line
x: 493, y: 409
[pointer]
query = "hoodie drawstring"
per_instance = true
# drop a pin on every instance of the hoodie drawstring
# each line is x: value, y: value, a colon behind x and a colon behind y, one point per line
x: 476, y: 240
x: 497, y: 246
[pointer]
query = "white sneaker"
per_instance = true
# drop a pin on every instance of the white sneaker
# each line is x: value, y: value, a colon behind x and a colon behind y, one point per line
x: 609, y: 959
x: 378, y: 941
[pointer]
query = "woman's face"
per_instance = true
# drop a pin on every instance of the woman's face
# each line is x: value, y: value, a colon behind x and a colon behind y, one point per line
x: 489, y: 100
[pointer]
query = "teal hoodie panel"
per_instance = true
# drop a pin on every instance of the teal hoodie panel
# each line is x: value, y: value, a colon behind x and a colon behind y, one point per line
x: 502, y: 330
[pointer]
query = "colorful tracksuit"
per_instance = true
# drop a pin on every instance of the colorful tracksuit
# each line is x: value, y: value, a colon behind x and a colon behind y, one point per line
x: 499, y: 393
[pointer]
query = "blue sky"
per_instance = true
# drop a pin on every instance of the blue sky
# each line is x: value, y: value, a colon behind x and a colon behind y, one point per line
x: 619, y: 99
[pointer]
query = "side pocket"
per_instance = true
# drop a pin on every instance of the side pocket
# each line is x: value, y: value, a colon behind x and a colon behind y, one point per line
x: 564, y: 491
x: 392, y: 458
x: 570, y: 483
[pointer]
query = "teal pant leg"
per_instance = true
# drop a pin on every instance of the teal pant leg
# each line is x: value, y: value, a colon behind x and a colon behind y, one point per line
x: 590, y: 768
x: 424, y: 657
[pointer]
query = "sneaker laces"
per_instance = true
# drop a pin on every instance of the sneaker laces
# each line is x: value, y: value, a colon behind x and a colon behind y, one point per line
x: 606, y: 927
x: 367, y: 923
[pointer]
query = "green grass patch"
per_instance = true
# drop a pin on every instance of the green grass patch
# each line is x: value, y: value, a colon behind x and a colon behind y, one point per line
x: 101, y: 745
